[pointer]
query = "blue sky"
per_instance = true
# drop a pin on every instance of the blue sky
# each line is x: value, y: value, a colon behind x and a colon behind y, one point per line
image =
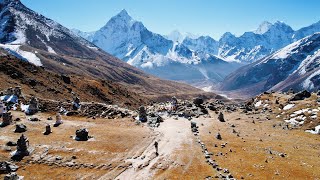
x: 204, y: 17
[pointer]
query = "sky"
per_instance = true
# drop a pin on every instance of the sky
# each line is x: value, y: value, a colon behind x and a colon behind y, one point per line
x: 200, y: 17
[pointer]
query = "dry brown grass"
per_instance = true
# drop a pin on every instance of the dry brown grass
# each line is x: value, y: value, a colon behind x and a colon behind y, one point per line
x: 250, y: 157
x: 112, y: 142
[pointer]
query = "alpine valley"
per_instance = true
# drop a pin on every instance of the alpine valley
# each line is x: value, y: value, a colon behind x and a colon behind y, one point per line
x: 201, y: 61
x: 125, y: 103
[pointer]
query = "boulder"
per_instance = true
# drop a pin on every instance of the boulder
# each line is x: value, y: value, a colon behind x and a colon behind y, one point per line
x: 20, y: 128
x: 212, y: 107
x: 82, y: 134
x: 198, y: 101
x: 6, y: 119
x: 66, y: 79
x: 10, y: 143
x: 34, y: 119
x: 13, y: 176
x: 7, y: 167
x: 301, y: 96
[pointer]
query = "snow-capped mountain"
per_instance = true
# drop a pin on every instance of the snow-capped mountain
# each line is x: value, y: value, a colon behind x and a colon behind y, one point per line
x: 175, y: 36
x: 21, y: 26
x: 263, y: 27
x: 252, y: 46
x: 34, y: 38
x: 204, y: 44
x: 268, y: 38
x: 195, y: 57
x: 132, y: 42
x: 294, y: 66
x: 306, y: 31
x: 125, y: 38
x: 86, y: 35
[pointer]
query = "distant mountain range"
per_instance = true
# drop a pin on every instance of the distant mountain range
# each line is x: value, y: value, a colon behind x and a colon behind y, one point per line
x: 191, y: 59
x: 295, y: 66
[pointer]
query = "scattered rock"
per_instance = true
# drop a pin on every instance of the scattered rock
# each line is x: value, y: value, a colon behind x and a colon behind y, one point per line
x: 13, y: 176
x: 6, y: 119
x: 198, y: 101
x: 221, y: 117
x: 20, y: 128
x: 7, y: 167
x: 218, y: 136
x: 10, y: 143
x: 301, y: 96
x: 34, y: 119
x: 82, y: 135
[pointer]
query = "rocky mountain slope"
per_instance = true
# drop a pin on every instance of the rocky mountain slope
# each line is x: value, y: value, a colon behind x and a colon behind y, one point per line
x: 294, y: 66
x: 48, y: 85
x: 43, y: 42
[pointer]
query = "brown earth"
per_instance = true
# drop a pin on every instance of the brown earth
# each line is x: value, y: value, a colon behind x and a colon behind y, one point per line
x: 120, y: 149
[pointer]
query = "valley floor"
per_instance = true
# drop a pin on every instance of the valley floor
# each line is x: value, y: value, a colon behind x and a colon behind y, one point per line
x: 120, y: 149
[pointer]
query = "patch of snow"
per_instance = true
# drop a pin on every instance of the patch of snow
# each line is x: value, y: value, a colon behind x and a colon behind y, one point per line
x: 24, y: 55
x: 147, y: 65
x: 258, y: 104
x: 50, y: 50
x: 94, y: 48
x: 297, y: 120
x: 24, y: 108
x: 288, y: 106
x: 207, y: 89
x: 315, y: 131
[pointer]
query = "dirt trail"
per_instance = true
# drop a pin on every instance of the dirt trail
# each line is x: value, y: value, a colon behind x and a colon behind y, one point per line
x: 170, y: 135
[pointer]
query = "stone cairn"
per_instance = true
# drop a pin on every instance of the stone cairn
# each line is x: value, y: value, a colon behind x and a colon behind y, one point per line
x: 76, y: 103
x: 33, y: 106
x: 22, y: 145
x: 194, y: 127
x: 58, y: 120
x: 142, y: 114
x: 3, y: 108
x: 6, y: 119
x: 82, y: 135
x: 22, y: 148
x: 48, y: 130
x: 221, y: 117
x: 174, y: 103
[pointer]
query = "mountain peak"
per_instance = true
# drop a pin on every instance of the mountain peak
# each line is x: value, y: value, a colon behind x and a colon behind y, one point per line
x: 263, y: 27
x: 266, y: 26
x: 123, y: 14
x: 175, y: 36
